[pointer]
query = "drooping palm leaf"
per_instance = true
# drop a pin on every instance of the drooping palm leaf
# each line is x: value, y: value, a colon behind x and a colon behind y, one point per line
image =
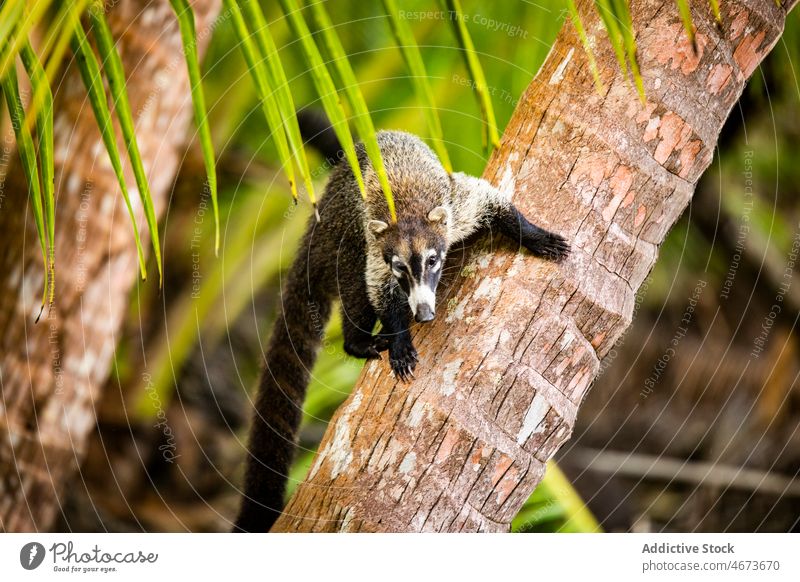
x: 491, y: 139
x: 355, y: 99
x: 21, y: 24
x: 686, y: 18
x: 10, y: 13
x: 189, y: 37
x: 277, y: 80
x: 623, y: 15
x: 57, y: 38
x: 555, y: 506
x: 115, y: 74
x: 44, y: 132
x: 89, y: 70
x: 617, y: 21
x: 715, y: 11
x: 325, y: 87
x: 419, y: 78
x: 27, y: 154
x: 265, y: 94
x: 578, y: 24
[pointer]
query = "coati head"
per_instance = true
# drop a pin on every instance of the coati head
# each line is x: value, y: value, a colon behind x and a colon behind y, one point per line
x: 414, y: 250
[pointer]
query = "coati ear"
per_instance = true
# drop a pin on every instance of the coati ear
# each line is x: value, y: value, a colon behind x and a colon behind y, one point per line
x: 377, y: 227
x: 439, y: 214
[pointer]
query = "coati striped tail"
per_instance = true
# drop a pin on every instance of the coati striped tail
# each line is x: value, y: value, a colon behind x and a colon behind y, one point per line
x: 290, y: 356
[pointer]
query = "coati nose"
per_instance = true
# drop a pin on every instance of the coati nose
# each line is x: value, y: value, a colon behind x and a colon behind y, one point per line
x: 424, y: 313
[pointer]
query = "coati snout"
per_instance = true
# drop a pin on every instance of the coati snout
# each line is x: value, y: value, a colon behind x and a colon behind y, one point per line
x: 414, y: 250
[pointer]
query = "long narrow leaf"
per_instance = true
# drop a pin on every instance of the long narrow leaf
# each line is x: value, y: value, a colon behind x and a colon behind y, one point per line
x: 13, y: 44
x: 578, y: 24
x: 27, y: 154
x: 57, y: 39
x: 715, y: 11
x: 355, y: 99
x: 11, y: 15
x: 58, y: 36
x: 265, y: 94
x: 419, y: 78
x: 623, y: 14
x: 325, y: 87
x: 189, y: 37
x: 686, y: 18
x: 491, y: 139
x: 44, y: 131
x: 115, y: 74
x: 606, y: 11
x: 90, y: 73
x: 277, y: 80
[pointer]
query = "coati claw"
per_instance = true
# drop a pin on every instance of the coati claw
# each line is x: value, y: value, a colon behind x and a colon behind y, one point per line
x: 403, y: 359
x: 380, y: 343
x: 552, y: 246
x: 365, y: 350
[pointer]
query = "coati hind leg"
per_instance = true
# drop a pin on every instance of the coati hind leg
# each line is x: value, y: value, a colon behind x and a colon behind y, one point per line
x: 358, y: 321
x: 542, y: 243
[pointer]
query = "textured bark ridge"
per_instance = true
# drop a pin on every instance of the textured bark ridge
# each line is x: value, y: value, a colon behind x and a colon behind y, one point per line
x: 52, y: 372
x: 503, y: 372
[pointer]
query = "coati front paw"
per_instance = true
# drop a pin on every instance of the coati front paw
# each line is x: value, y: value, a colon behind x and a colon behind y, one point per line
x: 550, y: 246
x: 362, y: 348
x: 403, y: 359
x: 368, y: 347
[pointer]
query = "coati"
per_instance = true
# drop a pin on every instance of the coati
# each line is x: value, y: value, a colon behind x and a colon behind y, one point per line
x: 380, y: 271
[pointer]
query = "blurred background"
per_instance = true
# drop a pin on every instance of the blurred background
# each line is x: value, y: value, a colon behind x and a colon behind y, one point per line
x: 693, y: 424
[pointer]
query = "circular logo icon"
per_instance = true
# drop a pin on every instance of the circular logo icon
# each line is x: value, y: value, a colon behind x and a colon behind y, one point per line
x: 31, y: 555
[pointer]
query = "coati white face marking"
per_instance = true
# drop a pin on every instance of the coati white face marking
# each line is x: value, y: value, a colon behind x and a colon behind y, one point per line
x: 415, y: 251
x: 419, y: 278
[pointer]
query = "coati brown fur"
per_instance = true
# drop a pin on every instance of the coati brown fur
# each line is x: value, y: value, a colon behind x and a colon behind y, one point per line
x: 380, y: 271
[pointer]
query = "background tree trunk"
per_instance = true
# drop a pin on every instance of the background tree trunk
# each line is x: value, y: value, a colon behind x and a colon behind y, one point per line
x: 52, y: 372
x: 503, y: 372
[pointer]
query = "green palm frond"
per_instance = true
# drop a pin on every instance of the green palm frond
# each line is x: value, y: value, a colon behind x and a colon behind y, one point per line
x: 277, y: 80
x: 419, y: 78
x: 92, y: 78
x: 616, y: 18
x: 355, y: 100
x: 265, y: 94
x: 491, y: 139
x: 115, y: 74
x: 185, y: 17
x: 686, y: 18
x: 10, y: 14
x: 15, y: 27
x: 715, y: 11
x: 58, y: 36
x: 44, y: 131
x: 555, y: 506
x: 325, y: 87
x: 27, y: 154
x: 578, y: 24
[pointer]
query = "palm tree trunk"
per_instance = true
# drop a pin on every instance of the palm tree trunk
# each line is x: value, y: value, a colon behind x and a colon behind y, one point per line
x: 504, y: 371
x: 52, y: 372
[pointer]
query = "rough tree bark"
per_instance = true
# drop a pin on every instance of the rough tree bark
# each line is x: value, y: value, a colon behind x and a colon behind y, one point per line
x: 503, y: 372
x: 52, y: 372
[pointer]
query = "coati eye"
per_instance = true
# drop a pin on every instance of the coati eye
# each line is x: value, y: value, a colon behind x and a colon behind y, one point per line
x: 432, y: 260
x: 399, y: 268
